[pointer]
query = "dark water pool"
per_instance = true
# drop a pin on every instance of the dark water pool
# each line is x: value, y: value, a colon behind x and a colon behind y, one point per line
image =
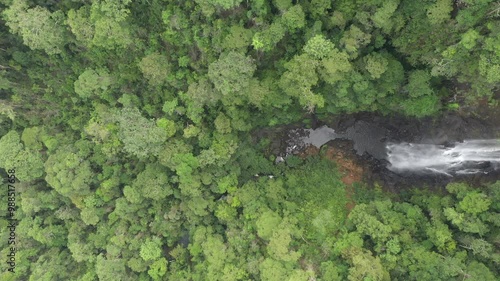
x: 370, y: 135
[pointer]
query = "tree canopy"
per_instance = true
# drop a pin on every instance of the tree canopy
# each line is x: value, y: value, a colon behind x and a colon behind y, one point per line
x: 134, y: 135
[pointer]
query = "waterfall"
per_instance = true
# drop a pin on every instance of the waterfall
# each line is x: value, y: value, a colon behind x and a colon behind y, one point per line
x: 467, y: 157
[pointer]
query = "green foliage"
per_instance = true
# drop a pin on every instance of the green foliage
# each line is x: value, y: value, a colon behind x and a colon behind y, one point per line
x: 294, y: 18
x: 475, y: 203
x: 267, y: 223
x: 32, y: 137
x: 382, y: 17
x: 267, y: 39
x: 158, y: 269
x: 39, y: 28
x: 10, y: 145
x: 111, y: 269
x: 93, y: 83
x: 151, y: 183
x: 238, y: 37
x: 422, y: 106
x: 423, y: 100
x: 272, y: 270
x: 151, y: 249
x: 440, y: 11
x: 167, y: 125
x: 298, y: 80
x: 27, y: 163
x: 231, y: 73
x: 469, y: 39
x: 224, y: 4
x: 376, y: 65
x: 102, y: 24
x: 318, y: 47
x: 282, y: 4
x: 70, y: 174
x: 155, y: 67
x: 141, y: 137
x: 418, y: 84
x: 354, y: 39
x: 132, y: 127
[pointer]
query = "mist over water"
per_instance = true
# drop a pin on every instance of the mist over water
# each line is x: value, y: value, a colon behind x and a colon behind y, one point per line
x: 467, y: 157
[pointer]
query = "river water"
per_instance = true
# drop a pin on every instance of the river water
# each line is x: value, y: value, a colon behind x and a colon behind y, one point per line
x: 451, y: 146
x: 466, y: 157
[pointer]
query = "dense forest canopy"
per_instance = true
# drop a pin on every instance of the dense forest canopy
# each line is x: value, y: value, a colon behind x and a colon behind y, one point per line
x: 128, y: 128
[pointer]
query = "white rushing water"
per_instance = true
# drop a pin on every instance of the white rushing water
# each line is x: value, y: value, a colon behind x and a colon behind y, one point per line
x: 467, y: 157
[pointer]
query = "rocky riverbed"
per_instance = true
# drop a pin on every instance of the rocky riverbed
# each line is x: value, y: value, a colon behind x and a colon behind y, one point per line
x: 363, y: 138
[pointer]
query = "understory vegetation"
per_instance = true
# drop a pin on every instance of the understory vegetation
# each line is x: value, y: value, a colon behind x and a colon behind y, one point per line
x: 129, y: 129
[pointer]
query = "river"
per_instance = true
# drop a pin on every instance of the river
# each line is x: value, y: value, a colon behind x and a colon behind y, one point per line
x: 398, y: 150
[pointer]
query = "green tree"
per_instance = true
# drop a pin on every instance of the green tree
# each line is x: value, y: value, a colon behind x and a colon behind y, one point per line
x: 103, y: 24
x: 111, y: 269
x: 158, y: 269
x: 419, y: 84
x: 318, y: 47
x: 238, y: 38
x: 382, y: 17
x: 10, y: 147
x: 440, y: 11
x: 231, y: 73
x: 298, y: 80
x: 294, y: 18
x: 70, y: 174
x: 475, y: 203
x: 151, y: 183
x: 376, y: 64
x: 151, y: 249
x: 364, y: 266
x: 27, y: 163
x: 354, y: 39
x: 279, y: 243
x: 141, y: 136
x: 93, y: 83
x: 39, y: 28
x: 222, y: 4
x: 272, y: 270
x: 156, y: 68
x: 267, y: 223
x: 267, y: 39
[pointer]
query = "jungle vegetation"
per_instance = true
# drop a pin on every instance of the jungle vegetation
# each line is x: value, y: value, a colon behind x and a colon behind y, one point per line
x: 129, y: 127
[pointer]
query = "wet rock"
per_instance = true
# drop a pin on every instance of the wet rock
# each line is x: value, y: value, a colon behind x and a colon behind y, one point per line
x: 370, y: 134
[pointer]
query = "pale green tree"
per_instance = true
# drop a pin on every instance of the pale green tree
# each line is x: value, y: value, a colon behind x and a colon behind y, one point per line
x: 440, y: 11
x: 104, y: 24
x: 27, y: 163
x: 39, y: 28
x: 141, y: 136
x: 318, y: 47
x: 376, y: 64
x: 151, y: 249
x: 231, y: 73
x: 267, y: 39
x: 158, y: 269
x: 156, y: 68
x: 294, y: 18
x: 93, y: 83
